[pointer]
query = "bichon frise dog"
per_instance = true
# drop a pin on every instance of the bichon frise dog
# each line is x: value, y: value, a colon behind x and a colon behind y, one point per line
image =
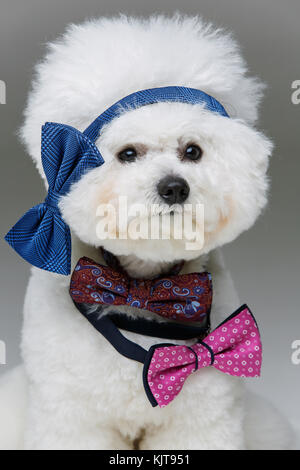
x: 75, y: 390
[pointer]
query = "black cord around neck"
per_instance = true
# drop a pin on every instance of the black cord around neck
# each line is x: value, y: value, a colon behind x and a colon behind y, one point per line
x: 108, y: 325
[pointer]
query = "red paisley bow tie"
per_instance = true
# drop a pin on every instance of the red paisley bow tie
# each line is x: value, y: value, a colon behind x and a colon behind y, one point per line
x: 180, y: 297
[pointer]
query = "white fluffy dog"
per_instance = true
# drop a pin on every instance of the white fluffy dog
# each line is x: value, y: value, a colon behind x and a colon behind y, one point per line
x: 75, y: 391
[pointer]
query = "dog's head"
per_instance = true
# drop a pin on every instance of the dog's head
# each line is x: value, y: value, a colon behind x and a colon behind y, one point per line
x: 161, y: 156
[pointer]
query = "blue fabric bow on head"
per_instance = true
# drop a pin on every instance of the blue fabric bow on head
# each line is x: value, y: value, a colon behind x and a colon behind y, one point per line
x: 41, y: 236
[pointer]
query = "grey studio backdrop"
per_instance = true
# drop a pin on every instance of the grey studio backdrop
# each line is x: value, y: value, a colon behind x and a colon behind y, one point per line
x: 264, y: 261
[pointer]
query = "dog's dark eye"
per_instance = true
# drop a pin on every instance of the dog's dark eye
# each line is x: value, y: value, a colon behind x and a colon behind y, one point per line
x: 127, y: 155
x: 192, y: 152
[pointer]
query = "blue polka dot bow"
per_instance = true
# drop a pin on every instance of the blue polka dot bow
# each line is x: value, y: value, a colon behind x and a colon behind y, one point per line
x: 41, y: 236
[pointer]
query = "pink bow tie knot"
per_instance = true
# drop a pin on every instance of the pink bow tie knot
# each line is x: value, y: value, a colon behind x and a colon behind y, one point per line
x: 233, y: 348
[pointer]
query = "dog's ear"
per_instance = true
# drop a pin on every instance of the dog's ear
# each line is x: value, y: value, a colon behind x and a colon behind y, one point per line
x: 240, y: 172
x: 252, y: 151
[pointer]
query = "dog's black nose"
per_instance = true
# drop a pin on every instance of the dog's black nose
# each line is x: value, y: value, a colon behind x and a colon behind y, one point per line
x: 173, y: 189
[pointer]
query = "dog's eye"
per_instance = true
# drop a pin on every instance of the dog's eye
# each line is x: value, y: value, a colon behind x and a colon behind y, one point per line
x: 127, y: 155
x: 192, y: 152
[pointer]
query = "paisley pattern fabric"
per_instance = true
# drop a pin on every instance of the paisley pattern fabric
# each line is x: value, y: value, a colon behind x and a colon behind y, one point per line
x: 233, y: 348
x: 179, y: 297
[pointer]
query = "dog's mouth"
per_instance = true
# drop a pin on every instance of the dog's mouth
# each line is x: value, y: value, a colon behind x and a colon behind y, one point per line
x: 161, y: 213
x: 165, y: 209
x: 152, y: 226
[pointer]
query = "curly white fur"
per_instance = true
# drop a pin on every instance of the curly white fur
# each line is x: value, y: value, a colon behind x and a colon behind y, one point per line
x: 82, y: 394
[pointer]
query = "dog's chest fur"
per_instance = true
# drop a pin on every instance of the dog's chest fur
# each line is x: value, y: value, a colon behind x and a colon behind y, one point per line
x: 59, y: 342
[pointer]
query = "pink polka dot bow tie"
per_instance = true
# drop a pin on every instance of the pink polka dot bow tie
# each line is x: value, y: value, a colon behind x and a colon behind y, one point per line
x: 234, y: 348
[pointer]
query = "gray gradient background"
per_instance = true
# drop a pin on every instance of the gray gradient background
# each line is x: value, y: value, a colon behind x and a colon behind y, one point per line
x: 264, y: 261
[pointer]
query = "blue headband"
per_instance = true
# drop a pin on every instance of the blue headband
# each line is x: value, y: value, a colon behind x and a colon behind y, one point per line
x: 41, y: 236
